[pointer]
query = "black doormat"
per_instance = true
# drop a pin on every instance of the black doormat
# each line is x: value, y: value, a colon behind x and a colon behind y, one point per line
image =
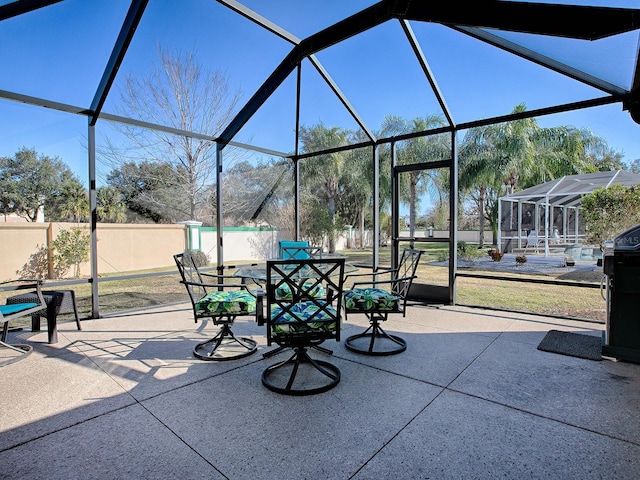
x: 572, y: 344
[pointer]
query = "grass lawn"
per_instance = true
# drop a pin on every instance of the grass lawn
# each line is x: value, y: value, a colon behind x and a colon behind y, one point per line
x: 569, y: 301
x: 560, y: 300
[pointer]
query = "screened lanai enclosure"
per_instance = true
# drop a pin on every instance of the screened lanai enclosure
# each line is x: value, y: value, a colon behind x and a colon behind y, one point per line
x: 311, y: 118
x: 549, y: 213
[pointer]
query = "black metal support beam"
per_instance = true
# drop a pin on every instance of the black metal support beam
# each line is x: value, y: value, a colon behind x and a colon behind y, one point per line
x: 360, y: 22
x: 129, y: 26
x: 344, y: 148
x: 219, y: 206
x: 453, y: 219
x: 375, y: 159
x: 395, y: 205
x: 632, y: 104
x: 15, y: 9
x: 91, y: 161
x: 41, y: 102
x: 260, y: 20
x: 422, y: 60
x: 571, y: 21
x: 296, y: 162
x: 566, y: 107
x: 334, y: 87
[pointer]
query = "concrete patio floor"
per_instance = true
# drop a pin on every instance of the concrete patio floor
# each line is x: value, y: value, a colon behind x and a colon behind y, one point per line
x: 471, y: 397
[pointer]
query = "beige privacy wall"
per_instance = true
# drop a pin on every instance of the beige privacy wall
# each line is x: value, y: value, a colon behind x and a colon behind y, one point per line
x: 125, y: 248
x: 122, y: 248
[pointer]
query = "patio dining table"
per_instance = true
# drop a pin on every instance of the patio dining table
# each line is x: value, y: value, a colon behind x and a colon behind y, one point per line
x: 257, y: 273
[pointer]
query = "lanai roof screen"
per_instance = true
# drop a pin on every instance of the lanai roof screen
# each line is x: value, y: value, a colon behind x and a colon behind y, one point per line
x: 360, y: 61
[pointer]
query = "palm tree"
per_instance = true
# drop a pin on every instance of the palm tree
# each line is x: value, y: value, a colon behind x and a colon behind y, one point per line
x: 493, y: 156
x: 111, y: 206
x: 73, y: 200
x: 505, y: 156
x: 418, y: 150
x: 357, y: 194
x: 322, y: 175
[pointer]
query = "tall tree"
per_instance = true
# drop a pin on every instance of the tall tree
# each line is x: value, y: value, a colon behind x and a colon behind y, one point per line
x: 634, y: 166
x: 322, y: 175
x: 151, y: 190
x: 180, y: 94
x: 419, y: 150
x: 71, y: 203
x: 111, y: 207
x: 30, y: 182
x: 357, y: 197
x: 497, y: 159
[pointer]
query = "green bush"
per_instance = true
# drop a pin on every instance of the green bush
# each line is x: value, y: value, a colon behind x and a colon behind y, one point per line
x: 71, y: 248
x: 468, y: 252
x: 200, y: 258
x: 442, y: 256
x: 607, y: 212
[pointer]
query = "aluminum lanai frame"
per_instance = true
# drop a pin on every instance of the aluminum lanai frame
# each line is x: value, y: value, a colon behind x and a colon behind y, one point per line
x: 547, y: 19
x: 565, y: 193
x: 384, y: 11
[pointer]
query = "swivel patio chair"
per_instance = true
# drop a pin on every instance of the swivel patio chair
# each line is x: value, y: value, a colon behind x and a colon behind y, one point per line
x: 299, y: 250
x: 385, y: 294
x: 215, y: 297
x: 303, y: 302
x: 11, y: 312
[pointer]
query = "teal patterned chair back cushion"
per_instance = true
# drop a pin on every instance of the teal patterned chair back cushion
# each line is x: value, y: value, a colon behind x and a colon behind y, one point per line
x: 371, y: 299
x: 218, y: 303
x: 303, y: 317
x: 283, y: 291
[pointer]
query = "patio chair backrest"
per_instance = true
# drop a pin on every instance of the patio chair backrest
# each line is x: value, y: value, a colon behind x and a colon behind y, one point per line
x: 190, y: 275
x: 406, y: 269
x: 290, y: 249
x: 304, y: 298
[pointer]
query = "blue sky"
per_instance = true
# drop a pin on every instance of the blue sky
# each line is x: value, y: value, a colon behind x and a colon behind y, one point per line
x: 59, y: 53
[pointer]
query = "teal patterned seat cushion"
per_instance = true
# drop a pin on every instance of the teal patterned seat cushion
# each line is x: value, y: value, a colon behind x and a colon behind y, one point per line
x: 283, y: 292
x: 370, y: 299
x: 239, y: 302
x: 294, y: 320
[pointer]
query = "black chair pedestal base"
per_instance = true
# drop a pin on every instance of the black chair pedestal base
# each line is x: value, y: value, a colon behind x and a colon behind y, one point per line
x: 225, y: 343
x: 277, y: 350
x: 374, y: 334
x: 287, y: 377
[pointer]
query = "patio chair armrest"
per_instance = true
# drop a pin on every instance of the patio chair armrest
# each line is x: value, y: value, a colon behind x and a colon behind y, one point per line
x: 241, y: 265
x: 25, y: 284
x: 208, y: 285
x: 384, y: 282
x: 371, y: 275
x: 217, y: 276
x: 370, y: 267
